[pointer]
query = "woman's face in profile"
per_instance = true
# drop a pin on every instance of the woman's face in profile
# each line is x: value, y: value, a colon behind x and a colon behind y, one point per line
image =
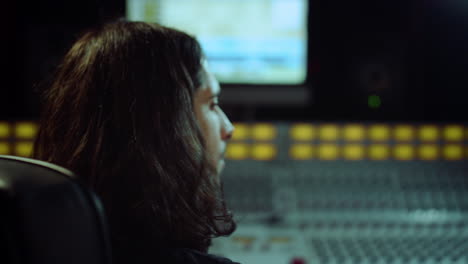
x: 215, y: 125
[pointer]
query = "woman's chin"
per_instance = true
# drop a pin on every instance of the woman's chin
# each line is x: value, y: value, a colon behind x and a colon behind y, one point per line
x: 221, y: 165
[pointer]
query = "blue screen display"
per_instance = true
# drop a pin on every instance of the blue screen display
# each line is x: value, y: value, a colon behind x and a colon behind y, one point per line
x: 245, y: 41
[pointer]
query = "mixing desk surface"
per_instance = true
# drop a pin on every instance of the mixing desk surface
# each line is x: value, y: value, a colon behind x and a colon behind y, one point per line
x: 372, y: 193
x: 336, y: 193
x: 347, y: 212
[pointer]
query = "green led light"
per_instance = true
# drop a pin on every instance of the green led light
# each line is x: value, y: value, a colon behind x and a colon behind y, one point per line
x: 373, y: 101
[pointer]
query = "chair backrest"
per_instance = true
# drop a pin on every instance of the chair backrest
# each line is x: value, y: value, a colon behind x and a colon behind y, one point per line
x: 48, y: 217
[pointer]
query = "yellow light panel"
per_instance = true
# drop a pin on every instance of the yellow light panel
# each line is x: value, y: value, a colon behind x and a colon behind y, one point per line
x: 429, y: 133
x: 354, y: 132
x: 379, y: 152
x: 453, y: 133
x: 264, y: 151
x: 403, y: 152
x: 379, y: 132
x: 243, y: 239
x: 25, y: 130
x: 403, y: 133
x: 302, y: 132
x: 4, y: 148
x: 452, y: 152
x: 237, y: 151
x: 264, y: 132
x: 241, y: 132
x: 24, y: 149
x: 4, y: 129
x: 329, y: 132
x: 353, y: 152
x: 328, y: 152
x: 428, y: 152
x: 301, y: 151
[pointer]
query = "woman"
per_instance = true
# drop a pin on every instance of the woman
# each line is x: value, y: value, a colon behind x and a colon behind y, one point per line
x: 134, y: 111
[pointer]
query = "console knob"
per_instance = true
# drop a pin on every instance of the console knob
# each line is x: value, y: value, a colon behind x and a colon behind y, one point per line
x: 297, y: 261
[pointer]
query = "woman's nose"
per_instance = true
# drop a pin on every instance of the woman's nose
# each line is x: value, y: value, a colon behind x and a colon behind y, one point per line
x: 227, y: 128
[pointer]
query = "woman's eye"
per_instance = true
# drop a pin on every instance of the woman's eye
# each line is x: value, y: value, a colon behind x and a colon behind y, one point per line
x: 213, y: 105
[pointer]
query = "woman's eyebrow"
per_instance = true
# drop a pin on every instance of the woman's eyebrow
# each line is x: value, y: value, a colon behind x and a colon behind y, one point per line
x: 214, y: 95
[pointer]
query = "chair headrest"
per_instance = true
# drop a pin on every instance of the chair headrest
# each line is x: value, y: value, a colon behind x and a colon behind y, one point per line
x: 47, y: 217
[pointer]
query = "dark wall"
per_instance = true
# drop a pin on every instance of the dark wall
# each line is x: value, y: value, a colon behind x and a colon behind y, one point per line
x: 39, y: 33
x: 8, y: 62
x: 411, y: 53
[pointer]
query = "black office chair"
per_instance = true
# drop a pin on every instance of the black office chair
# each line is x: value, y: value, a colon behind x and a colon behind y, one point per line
x: 47, y: 217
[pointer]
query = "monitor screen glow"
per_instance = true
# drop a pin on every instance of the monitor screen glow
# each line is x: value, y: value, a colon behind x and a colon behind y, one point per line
x: 258, y: 42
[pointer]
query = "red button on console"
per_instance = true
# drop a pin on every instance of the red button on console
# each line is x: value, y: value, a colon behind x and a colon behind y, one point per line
x: 297, y: 261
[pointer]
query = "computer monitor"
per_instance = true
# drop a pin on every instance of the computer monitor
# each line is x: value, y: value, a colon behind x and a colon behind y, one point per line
x: 257, y: 49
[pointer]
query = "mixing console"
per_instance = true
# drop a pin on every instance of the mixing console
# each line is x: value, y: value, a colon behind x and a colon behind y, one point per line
x: 351, y: 212
x: 322, y: 210
x: 336, y: 193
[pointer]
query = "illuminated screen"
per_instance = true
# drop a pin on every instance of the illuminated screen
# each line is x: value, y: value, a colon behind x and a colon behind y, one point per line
x: 245, y: 41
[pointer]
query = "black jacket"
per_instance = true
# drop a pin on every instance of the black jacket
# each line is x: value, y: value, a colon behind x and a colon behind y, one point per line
x: 166, y: 256
x: 190, y: 256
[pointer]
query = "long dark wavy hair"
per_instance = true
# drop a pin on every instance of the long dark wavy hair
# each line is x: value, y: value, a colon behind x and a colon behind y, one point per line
x: 119, y: 113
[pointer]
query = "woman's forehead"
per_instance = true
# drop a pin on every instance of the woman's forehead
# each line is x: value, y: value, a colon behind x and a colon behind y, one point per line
x: 211, y: 86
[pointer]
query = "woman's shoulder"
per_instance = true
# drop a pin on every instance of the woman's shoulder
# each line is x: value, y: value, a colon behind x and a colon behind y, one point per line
x: 190, y: 256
